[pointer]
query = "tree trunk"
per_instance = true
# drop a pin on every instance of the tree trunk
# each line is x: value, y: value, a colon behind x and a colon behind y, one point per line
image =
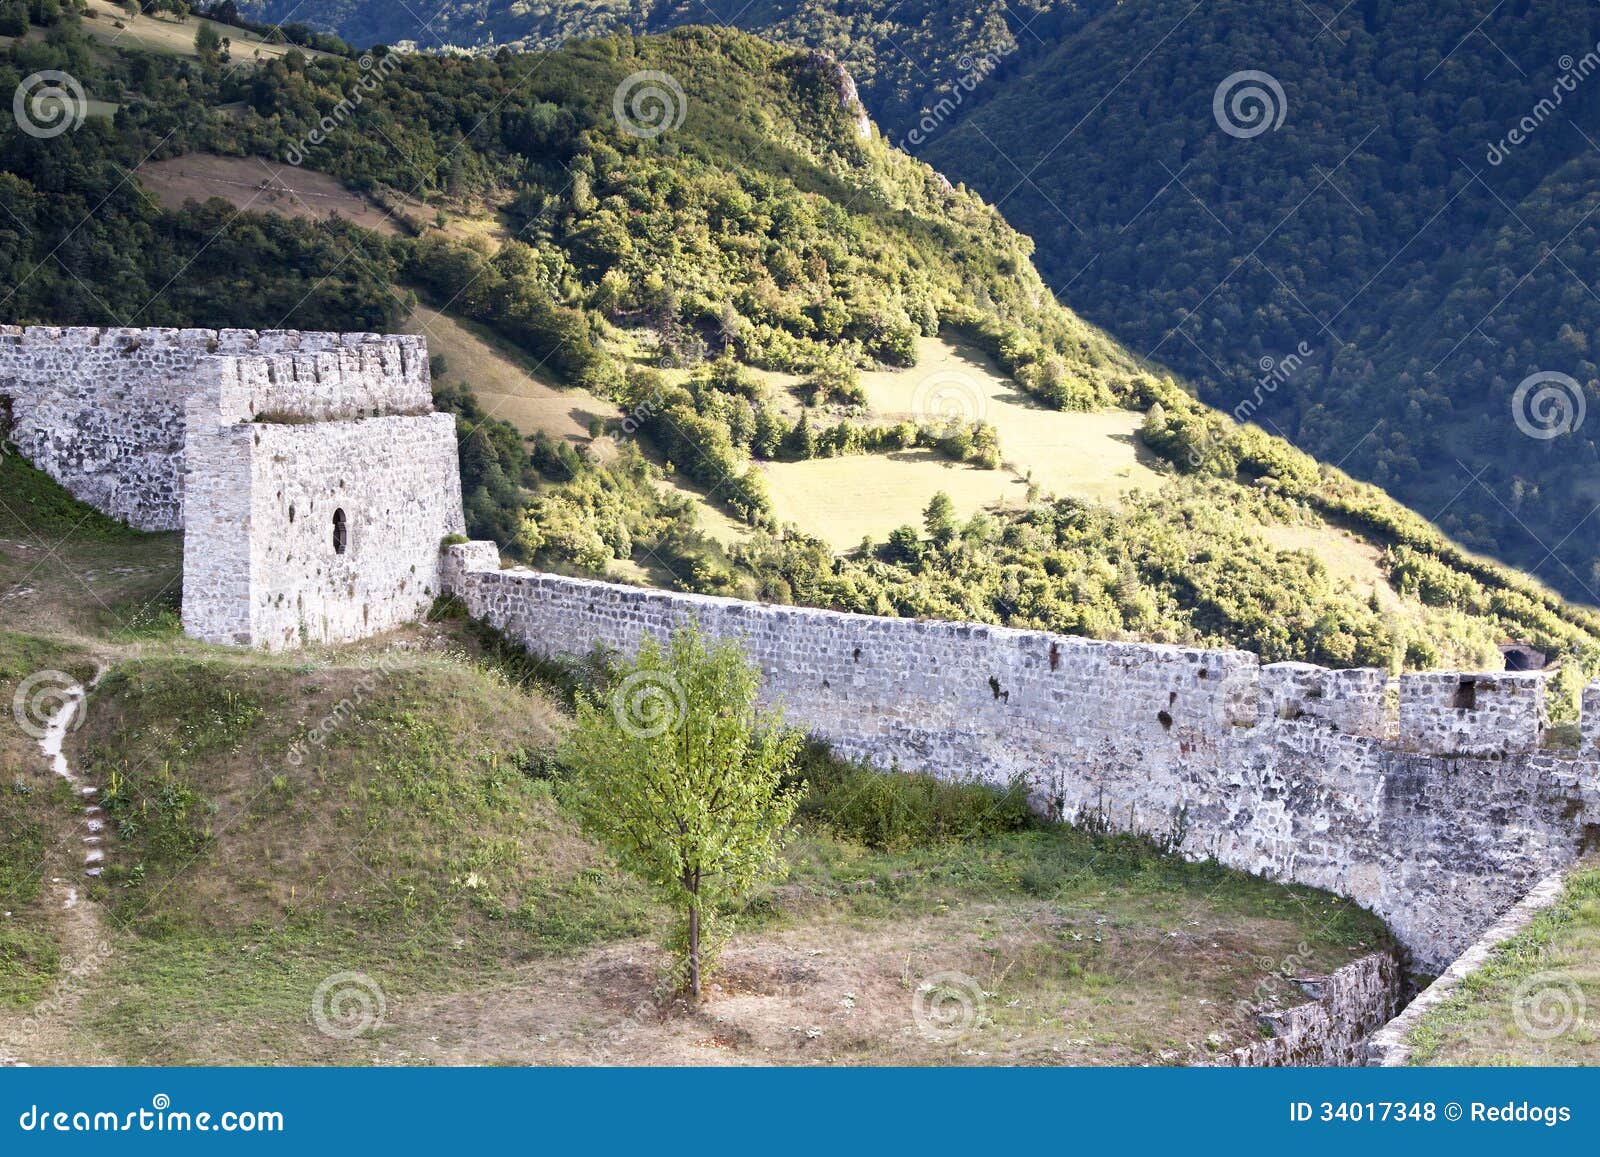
x: 694, y: 953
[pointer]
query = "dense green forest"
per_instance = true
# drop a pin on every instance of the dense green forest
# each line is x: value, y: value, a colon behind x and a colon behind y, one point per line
x: 906, y: 55
x: 661, y: 270
x: 1389, y: 223
x: 1419, y: 220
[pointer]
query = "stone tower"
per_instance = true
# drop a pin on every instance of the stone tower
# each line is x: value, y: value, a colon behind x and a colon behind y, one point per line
x: 308, y: 471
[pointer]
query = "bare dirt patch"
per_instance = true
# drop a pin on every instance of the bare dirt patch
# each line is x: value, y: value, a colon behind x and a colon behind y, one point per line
x: 261, y: 186
x: 973, y: 985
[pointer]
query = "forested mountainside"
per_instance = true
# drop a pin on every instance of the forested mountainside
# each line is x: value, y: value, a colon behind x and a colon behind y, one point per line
x: 721, y: 264
x: 904, y: 54
x: 1415, y: 211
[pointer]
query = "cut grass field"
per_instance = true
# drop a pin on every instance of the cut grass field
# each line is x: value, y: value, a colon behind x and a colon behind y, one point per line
x: 842, y: 500
x: 1093, y: 456
x: 1537, y: 999
x: 383, y: 819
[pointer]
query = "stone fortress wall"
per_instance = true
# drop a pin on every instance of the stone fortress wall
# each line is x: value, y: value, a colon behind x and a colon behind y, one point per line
x: 1437, y: 812
x: 314, y: 484
x: 311, y: 478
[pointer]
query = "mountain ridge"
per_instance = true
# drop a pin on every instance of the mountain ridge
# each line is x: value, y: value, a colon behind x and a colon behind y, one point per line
x: 1417, y: 213
x: 724, y: 283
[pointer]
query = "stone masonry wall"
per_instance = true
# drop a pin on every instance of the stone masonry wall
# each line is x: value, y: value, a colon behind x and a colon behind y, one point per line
x: 1346, y: 1008
x: 250, y: 441
x: 396, y: 482
x: 1189, y: 745
x: 341, y: 435
x: 102, y: 411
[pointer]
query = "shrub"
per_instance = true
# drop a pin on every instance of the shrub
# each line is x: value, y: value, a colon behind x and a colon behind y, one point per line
x: 897, y: 810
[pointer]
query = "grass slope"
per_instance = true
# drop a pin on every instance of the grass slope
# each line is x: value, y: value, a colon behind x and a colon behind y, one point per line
x: 383, y: 816
x: 1536, y: 999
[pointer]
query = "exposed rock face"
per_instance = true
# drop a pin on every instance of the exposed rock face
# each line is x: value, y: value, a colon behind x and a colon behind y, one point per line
x: 1290, y: 771
x: 844, y: 87
x: 255, y: 444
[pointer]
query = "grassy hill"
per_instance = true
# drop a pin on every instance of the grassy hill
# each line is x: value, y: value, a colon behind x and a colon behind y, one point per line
x: 906, y: 55
x: 1419, y: 223
x: 801, y: 336
x: 289, y: 836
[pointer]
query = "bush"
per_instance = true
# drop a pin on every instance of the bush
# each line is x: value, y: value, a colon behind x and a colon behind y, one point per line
x: 897, y: 810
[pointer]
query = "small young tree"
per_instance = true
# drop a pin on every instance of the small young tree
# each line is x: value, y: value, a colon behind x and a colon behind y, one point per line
x: 939, y: 519
x: 680, y: 775
x: 207, y: 42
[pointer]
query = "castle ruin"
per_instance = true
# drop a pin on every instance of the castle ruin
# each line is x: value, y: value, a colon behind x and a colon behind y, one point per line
x: 308, y: 472
x: 314, y: 484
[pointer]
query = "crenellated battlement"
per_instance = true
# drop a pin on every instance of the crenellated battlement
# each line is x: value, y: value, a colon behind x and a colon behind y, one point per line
x: 200, y: 341
x: 307, y: 470
x: 356, y: 381
x: 1472, y: 712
